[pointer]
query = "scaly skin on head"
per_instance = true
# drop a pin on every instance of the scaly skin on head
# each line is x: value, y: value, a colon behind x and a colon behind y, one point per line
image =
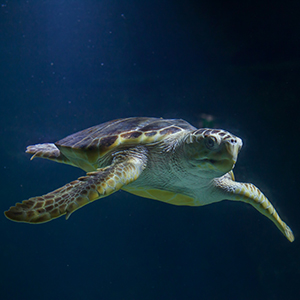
x: 213, y: 151
x: 163, y: 159
x: 217, y: 153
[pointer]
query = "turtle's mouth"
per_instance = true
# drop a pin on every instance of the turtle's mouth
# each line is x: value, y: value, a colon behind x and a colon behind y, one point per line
x: 220, y: 164
x: 207, y: 163
x: 211, y: 161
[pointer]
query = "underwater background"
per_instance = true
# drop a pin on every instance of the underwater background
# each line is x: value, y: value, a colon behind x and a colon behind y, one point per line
x: 69, y: 65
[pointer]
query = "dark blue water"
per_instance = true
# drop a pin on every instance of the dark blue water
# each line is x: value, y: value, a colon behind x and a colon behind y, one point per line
x: 68, y: 65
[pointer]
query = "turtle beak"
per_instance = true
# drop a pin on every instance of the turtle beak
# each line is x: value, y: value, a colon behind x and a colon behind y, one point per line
x: 233, y: 147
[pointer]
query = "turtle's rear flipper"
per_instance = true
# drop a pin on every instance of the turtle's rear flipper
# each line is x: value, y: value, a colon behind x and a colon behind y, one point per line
x: 47, y: 150
x: 73, y: 195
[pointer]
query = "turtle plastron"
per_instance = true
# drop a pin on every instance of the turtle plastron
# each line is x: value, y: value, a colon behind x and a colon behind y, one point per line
x: 162, y: 159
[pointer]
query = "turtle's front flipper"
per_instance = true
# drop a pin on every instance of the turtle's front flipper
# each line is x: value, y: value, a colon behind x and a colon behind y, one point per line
x: 72, y: 196
x: 249, y: 193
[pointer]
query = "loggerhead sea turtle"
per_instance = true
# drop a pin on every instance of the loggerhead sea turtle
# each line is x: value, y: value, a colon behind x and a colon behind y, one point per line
x: 163, y: 159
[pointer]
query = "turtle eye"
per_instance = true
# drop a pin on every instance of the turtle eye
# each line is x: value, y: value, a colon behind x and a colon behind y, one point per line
x: 211, y: 142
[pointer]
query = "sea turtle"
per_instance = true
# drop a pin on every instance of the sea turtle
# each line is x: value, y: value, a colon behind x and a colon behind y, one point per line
x: 163, y: 159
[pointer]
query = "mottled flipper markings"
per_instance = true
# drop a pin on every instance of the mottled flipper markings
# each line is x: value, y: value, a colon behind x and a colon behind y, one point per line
x: 249, y: 193
x: 74, y: 195
x: 178, y: 163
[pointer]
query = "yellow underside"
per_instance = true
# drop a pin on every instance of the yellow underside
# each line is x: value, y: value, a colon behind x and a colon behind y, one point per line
x: 164, y: 196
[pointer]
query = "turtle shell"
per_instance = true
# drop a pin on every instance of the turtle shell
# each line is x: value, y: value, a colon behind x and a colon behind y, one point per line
x: 94, y: 142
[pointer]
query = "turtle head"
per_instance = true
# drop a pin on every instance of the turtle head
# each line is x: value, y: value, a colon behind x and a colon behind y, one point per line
x: 213, y: 151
